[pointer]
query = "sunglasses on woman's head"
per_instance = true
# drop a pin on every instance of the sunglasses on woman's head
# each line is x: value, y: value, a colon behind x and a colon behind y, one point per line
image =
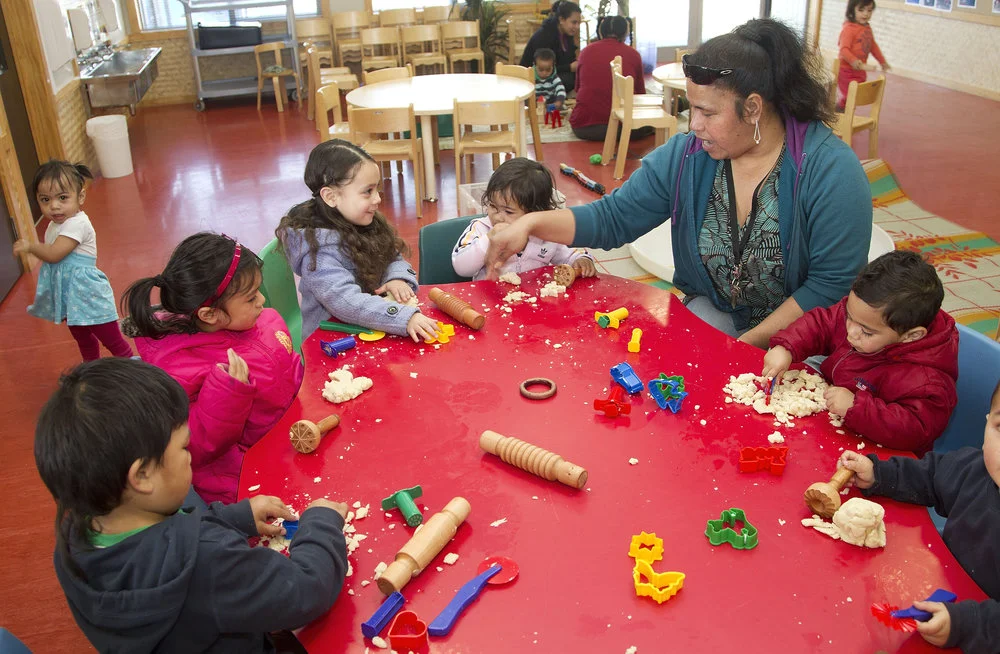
x: 702, y: 75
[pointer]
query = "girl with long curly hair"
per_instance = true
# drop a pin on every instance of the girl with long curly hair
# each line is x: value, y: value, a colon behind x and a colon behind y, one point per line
x: 345, y: 252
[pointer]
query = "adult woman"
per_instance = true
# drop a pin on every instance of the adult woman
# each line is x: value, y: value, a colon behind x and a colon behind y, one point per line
x: 558, y: 33
x: 771, y: 213
x: 593, y: 81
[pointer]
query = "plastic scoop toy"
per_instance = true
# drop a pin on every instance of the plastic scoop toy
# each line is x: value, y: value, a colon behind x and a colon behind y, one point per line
x: 906, y: 619
x: 502, y: 569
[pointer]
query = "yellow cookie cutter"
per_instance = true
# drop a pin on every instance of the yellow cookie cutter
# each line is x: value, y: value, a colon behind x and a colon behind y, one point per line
x: 660, y: 586
x: 646, y: 547
x: 445, y: 332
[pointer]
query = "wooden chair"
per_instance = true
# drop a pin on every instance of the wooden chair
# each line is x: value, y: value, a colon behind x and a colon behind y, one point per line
x: 319, y: 77
x: 460, y: 41
x: 366, y: 124
x: 640, y: 99
x: 327, y: 102
x: 275, y: 72
x: 630, y: 117
x: 314, y: 33
x: 347, y: 26
x: 835, y: 65
x: 397, y: 17
x: 439, y: 14
x: 527, y: 74
x: 516, y: 41
x: 379, y: 48
x: 386, y: 74
x: 492, y: 114
x: 860, y: 95
x: 422, y: 48
x: 676, y: 94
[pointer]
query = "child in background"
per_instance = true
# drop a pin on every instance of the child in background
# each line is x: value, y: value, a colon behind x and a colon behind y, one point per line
x: 70, y: 287
x: 963, y: 486
x: 855, y: 44
x: 892, y: 353
x: 345, y: 252
x: 233, y: 358
x: 518, y: 186
x: 548, y: 85
x: 143, y: 568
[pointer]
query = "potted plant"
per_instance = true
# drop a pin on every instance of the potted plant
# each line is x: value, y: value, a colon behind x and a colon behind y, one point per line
x: 603, y: 11
x: 491, y: 16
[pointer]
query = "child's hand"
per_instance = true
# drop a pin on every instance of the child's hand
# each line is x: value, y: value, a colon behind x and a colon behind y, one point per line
x: 936, y: 630
x: 838, y: 400
x: 886, y: 67
x: 266, y: 508
x: 857, y: 64
x: 421, y: 328
x: 21, y: 246
x: 339, y: 507
x: 776, y: 362
x: 585, y: 267
x: 398, y: 289
x: 558, y: 105
x: 861, y: 466
x: 237, y: 368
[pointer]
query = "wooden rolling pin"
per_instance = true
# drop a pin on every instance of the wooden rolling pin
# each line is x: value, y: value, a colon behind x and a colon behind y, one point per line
x: 425, y: 544
x: 533, y: 459
x: 823, y: 498
x: 458, y: 309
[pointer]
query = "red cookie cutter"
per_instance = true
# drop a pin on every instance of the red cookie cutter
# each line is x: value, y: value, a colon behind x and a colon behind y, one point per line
x: 758, y: 459
x: 407, y: 632
x: 615, y: 405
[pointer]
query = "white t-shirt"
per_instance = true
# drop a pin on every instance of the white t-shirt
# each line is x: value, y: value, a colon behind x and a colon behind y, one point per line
x: 79, y: 229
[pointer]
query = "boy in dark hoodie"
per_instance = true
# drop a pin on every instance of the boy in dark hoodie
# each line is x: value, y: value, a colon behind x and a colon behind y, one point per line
x: 145, y: 571
x: 892, y: 353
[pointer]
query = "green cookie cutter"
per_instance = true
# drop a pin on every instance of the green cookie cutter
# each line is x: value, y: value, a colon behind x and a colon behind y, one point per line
x: 721, y: 531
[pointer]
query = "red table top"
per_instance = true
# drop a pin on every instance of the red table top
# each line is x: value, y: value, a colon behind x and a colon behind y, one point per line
x: 420, y: 424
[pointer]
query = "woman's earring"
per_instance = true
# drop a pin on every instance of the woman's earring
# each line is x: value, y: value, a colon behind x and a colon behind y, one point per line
x: 756, y: 132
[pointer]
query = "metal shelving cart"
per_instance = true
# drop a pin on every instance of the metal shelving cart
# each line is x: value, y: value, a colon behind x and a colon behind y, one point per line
x: 239, y: 85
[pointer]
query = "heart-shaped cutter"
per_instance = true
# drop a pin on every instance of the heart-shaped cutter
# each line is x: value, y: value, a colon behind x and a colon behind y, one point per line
x: 407, y: 632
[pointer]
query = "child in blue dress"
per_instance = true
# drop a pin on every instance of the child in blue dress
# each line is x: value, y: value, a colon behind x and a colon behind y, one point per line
x: 70, y: 287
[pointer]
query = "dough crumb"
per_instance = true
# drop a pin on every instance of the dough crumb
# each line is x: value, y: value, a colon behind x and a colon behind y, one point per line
x: 511, y: 278
x: 253, y: 488
x: 450, y: 558
x: 379, y: 569
x: 553, y: 289
x: 776, y: 437
x: 344, y: 386
x: 413, y: 375
x: 497, y: 523
x: 379, y: 643
x: 799, y: 394
x: 632, y: 650
x: 633, y: 461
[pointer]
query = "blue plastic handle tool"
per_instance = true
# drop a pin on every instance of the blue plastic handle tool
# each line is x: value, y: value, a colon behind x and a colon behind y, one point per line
x: 466, y: 595
x: 940, y: 595
x: 333, y: 348
x: 374, y: 625
x: 291, y: 526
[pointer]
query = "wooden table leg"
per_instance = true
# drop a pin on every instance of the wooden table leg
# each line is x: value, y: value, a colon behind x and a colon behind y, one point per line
x: 430, y: 176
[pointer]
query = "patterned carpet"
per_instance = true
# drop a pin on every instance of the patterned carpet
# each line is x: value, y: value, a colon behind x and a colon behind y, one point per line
x: 967, y: 262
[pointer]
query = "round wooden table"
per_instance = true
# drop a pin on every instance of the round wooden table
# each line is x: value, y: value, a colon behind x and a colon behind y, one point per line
x: 435, y: 95
x: 797, y: 591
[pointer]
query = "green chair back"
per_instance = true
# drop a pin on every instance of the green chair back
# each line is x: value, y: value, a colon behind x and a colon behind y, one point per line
x: 279, y: 291
x: 435, y: 242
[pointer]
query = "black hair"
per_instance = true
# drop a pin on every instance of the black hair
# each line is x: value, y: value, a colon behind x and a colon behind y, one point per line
x: 564, y: 9
x: 613, y: 27
x: 194, y: 272
x: 854, y: 5
x: 103, y: 416
x: 904, y: 287
x: 525, y: 181
x: 996, y: 391
x: 371, y: 247
x: 545, y: 54
x: 63, y: 174
x: 768, y: 58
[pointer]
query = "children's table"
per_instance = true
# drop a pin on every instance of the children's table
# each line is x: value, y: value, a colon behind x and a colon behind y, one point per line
x: 797, y: 591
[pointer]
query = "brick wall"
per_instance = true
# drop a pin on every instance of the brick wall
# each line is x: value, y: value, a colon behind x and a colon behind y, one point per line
x: 72, y: 125
x: 175, y: 72
x: 954, y: 53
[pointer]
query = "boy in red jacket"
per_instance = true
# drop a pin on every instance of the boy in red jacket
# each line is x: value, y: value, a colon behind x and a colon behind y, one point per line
x: 892, y: 353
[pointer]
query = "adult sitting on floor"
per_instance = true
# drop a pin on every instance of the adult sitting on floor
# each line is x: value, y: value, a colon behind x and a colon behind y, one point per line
x: 771, y: 213
x: 558, y: 33
x: 593, y: 81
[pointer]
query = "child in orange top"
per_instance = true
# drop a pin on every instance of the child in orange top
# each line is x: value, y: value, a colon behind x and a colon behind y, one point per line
x: 856, y: 42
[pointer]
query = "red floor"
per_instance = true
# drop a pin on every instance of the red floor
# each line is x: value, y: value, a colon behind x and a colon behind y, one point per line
x: 233, y: 170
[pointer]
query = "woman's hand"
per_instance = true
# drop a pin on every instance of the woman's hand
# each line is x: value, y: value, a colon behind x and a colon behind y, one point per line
x: 573, y: 66
x: 936, y: 630
x: 776, y: 362
x: 838, y: 400
x: 421, y: 328
x: 237, y: 368
x: 585, y: 267
x: 398, y: 289
x: 861, y: 466
x: 505, y: 243
x: 266, y: 508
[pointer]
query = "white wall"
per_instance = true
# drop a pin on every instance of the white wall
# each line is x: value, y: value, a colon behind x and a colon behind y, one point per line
x: 953, y: 53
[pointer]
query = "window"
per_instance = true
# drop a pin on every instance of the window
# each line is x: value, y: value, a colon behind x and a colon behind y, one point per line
x: 169, y: 14
x: 379, y: 5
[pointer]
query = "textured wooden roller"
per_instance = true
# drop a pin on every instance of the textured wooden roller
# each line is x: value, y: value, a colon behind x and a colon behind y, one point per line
x: 306, y: 435
x: 823, y: 497
x: 533, y: 459
x: 458, y: 309
x: 564, y: 275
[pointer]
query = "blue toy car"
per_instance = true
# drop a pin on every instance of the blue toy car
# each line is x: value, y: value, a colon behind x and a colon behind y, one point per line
x: 624, y: 375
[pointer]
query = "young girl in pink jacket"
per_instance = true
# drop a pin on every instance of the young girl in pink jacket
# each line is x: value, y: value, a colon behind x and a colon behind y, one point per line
x: 233, y: 357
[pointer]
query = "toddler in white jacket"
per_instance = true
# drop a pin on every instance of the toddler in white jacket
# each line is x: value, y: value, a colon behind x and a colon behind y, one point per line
x: 518, y: 186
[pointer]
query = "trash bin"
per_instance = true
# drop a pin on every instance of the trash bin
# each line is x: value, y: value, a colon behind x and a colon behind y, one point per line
x: 110, y: 137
